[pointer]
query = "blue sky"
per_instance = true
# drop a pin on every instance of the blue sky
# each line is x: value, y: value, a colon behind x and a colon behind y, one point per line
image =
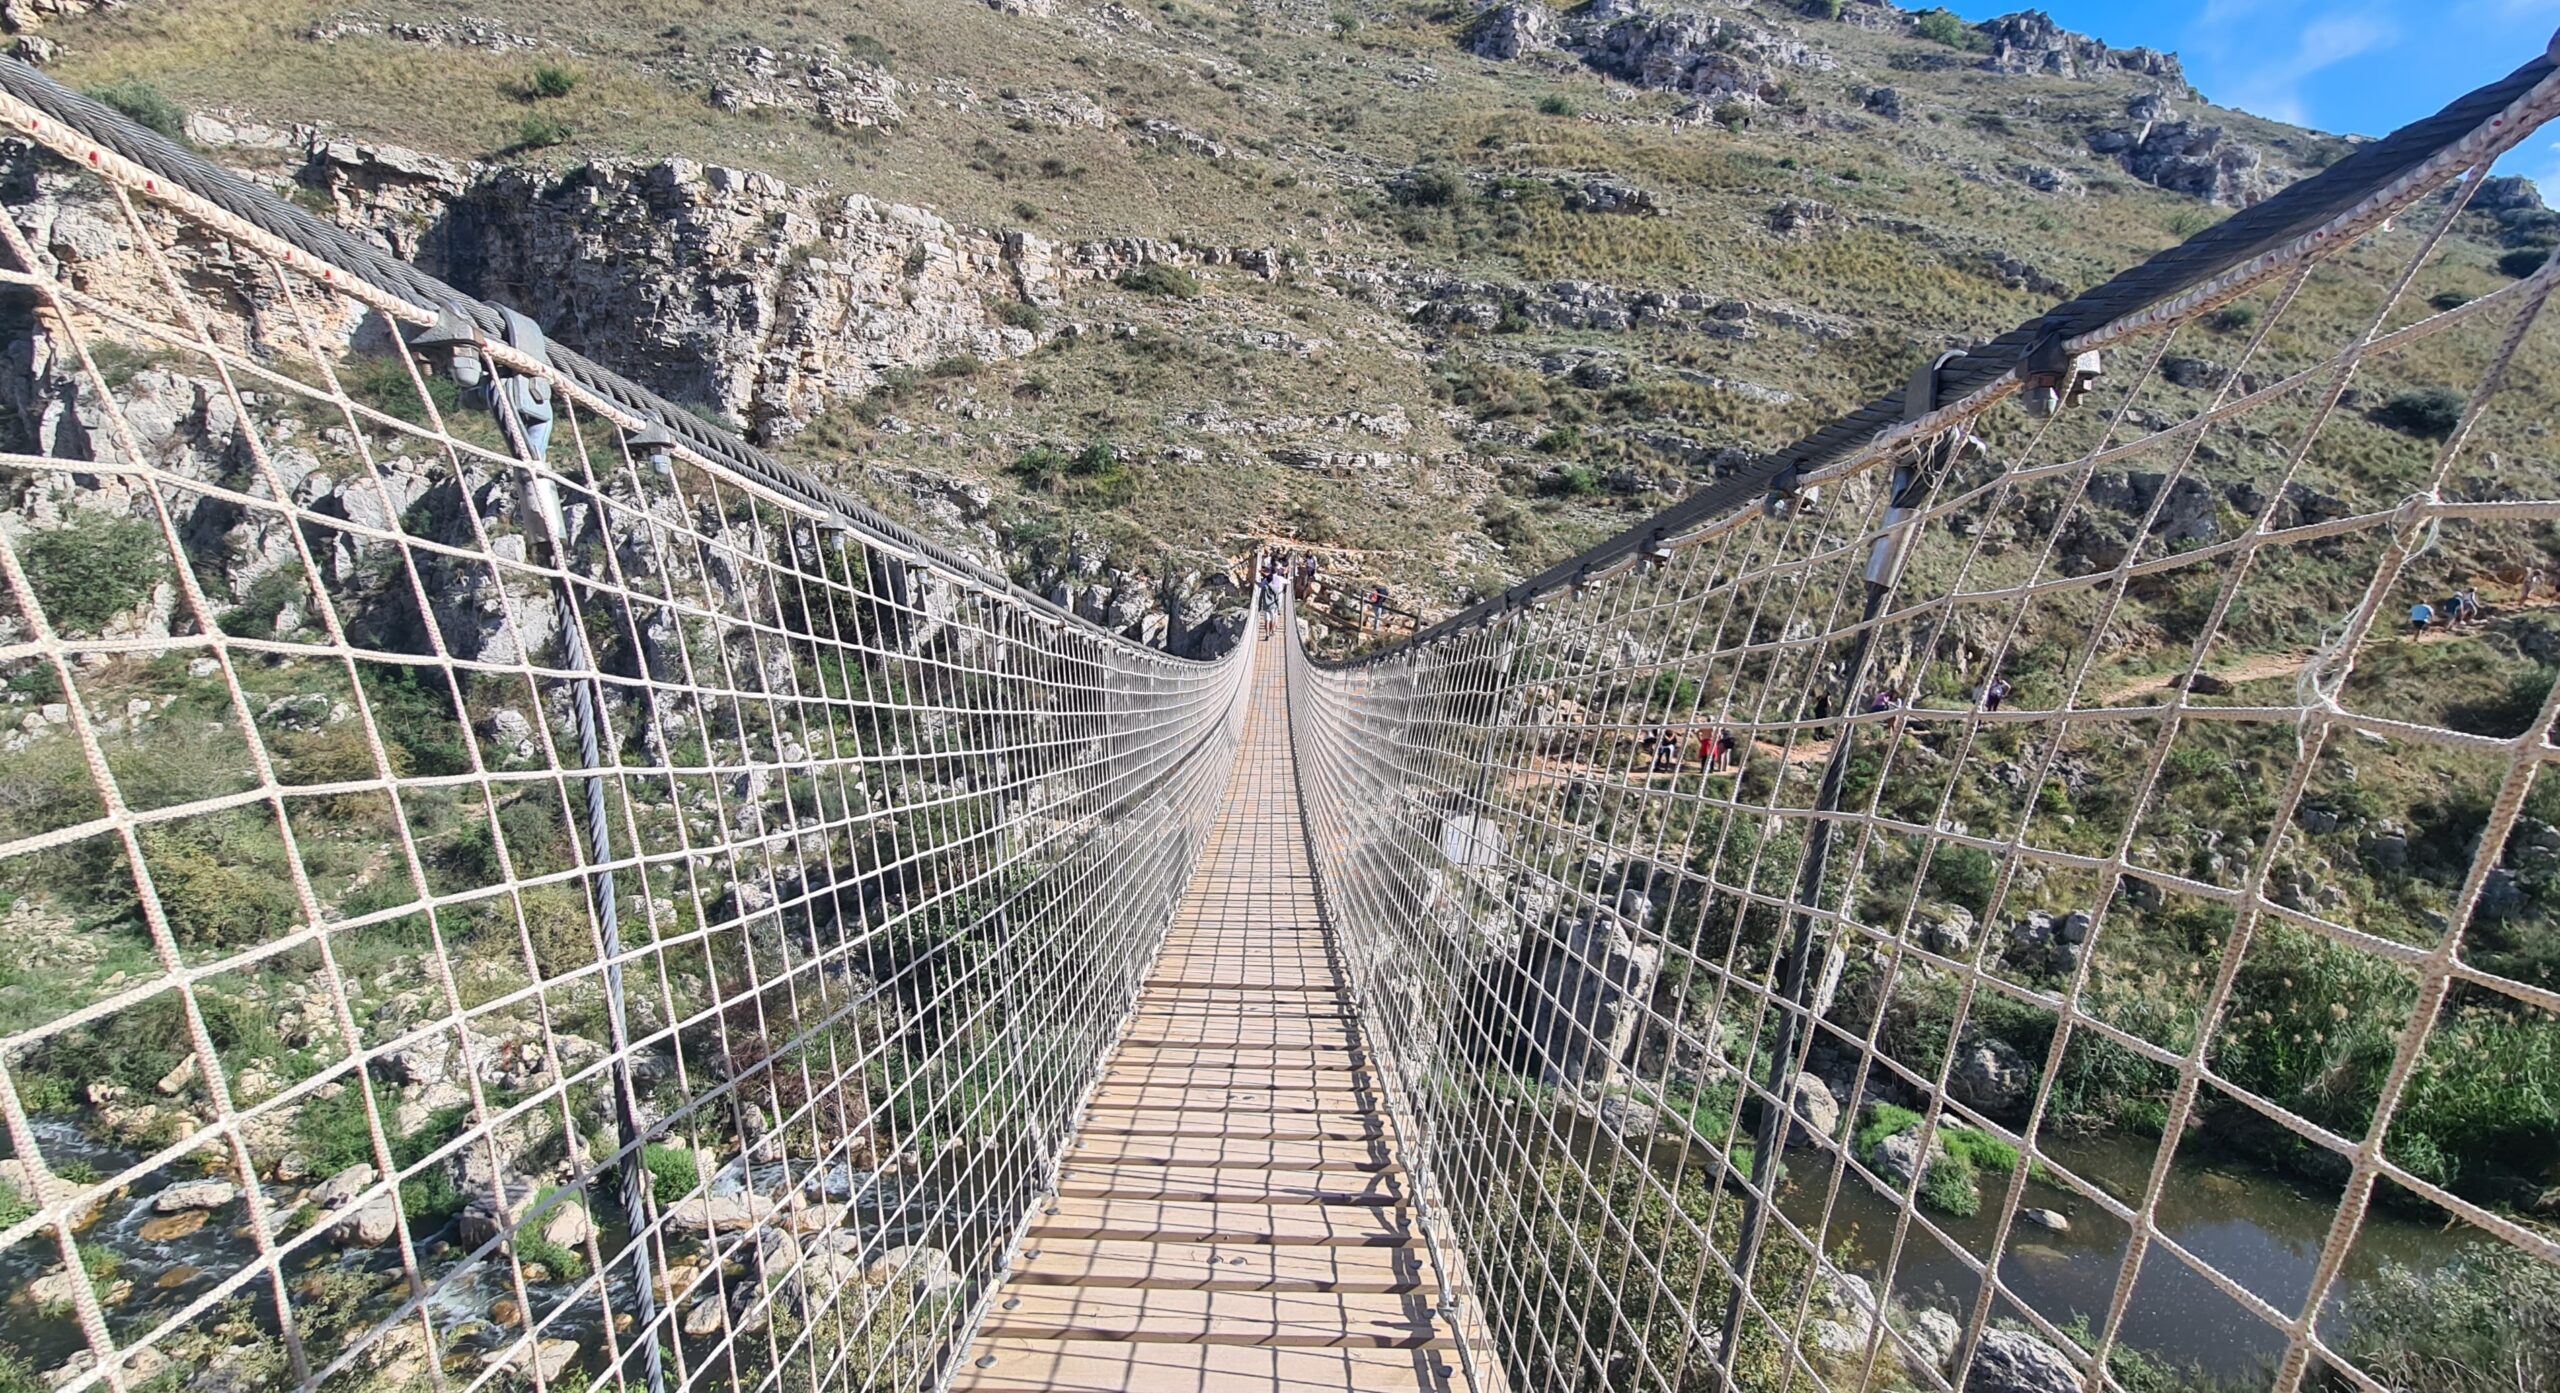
x: 2362, y: 66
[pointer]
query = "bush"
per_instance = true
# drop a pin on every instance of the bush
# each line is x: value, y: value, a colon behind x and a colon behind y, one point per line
x: 1576, y: 481
x: 14, y: 1207
x: 541, y: 131
x: 867, y: 49
x: 1157, y: 278
x: 2523, y: 261
x: 1018, y: 315
x: 144, y: 105
x: 1946, y: 27
x: 1428, y: 188
x: 215, y: 895
x: 566, y: 1264
x: 671, y: 1173
x: 551, y: 81
x: 2429, y: 413
x: 2233, y: 319
x: 1950, y: 1186
x: 97, y: 568
x: 2486, y: 1322
x: 2448, y: 300
x: 1553, y: 105
x: 1823, y: 9
x: 1964, y: 875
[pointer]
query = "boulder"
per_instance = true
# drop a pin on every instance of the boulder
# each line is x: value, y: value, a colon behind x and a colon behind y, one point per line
x: 343, y: 1187
x: 1593, y: 975
x: 371, y: 1226
x: 2050, y: 1220
x: 1898, y: 1156
x: 1507, y: 32
x: 1992, y: 1077
x: 1934, y: 1336
x: 2010, y: 1361
x: 927, y: 1271
x: 170, y: 1227
x: 1814, y: 1107
x: 568, y: 1225
x: 195, y: 1194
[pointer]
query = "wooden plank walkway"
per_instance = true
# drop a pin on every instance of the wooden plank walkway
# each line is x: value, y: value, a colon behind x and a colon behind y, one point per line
x: 1230, y: 1216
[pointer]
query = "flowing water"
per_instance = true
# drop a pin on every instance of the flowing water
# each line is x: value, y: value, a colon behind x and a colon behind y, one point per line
x: 2263, y: 1231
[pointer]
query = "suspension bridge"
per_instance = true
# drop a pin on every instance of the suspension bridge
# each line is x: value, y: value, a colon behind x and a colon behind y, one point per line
x: 540, y: 894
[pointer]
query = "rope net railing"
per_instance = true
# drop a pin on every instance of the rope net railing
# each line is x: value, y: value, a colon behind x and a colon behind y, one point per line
x: 496, y: 896
x: 2017, y: 907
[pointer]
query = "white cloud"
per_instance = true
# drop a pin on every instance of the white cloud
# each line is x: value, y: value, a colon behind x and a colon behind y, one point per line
x: 2274, y: 90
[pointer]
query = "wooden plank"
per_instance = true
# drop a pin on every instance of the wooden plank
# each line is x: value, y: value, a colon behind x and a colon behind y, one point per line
x: 1174, y: 1122
x: 1340, y: 1077
x: 1230, y: 1185
x: 1231, y: 1152
x: 1286, y: 1319
x: 1097, y: 1262
x: 1175, y: 1221
x: 1102, y: 1366
x: 1144, y: 1095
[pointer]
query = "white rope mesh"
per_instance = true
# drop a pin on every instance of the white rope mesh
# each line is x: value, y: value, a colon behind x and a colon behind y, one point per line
x: 576, y: 919
x: 2182, y: 1019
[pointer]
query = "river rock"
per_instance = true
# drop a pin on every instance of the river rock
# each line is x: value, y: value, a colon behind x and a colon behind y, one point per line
x: 2050, y: 1220
x: 705, y: 1318
x: 927, y: 1270
x: 1934, y: 1336
x: 495, y: 1211
x: 1814, y: 1107
x: 568, y: 1225
x: 2010, y: 1361
x: 195, y: 1194
x: 342, y: 1188
x: 170, y: 1227
x: 1992, y: 1076
x: 720, y: 1213
x: 371, y: 1226
x: 1898, y: 1156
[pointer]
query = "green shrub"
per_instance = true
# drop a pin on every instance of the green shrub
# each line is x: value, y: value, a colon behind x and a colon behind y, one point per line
x: 2486, y: 1322
x: 18, y: 1376
x: 14, y: 1207
x: 1156, y: 278
x: 210, y: 882
x: 2233, y: 319
x: 1576, y: 481
x: 1427, y: 188
x: 867, y: 49
x: 1946, y: 27
x: 2429, y: 413
x: 551, y: 81
x: 143, y: 104
x: 1018, y: 315
x: 97, y: 568
x: 555, y: 919
x: 2523, y: 261
x: 567, y: 1264
x: 1963, y: 875
x: 542, y: 130
x: 1950, y: 1187
x: 2448, y: 300
x: 1822, y: 9
x: 1555, y: 105
x: 671, y: 1172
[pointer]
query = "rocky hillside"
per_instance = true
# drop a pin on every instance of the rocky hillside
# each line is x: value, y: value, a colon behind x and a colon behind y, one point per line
x: 1446, y: 289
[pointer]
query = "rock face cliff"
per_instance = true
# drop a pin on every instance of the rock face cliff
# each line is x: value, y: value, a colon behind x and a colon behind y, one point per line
x: 736, y: 290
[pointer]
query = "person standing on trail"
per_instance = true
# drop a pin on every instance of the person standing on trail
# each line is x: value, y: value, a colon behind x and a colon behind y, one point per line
x: 2531, y: 586
x: 1378, y: 608
x: 1995, y: 692
x: 2421, y: 615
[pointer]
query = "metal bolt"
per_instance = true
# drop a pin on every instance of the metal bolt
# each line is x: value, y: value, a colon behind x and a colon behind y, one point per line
x: 1012, y: 1303
x: 988, y: 1361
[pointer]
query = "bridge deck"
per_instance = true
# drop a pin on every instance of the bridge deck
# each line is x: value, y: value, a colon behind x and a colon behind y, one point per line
x: 1231, y: 1216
